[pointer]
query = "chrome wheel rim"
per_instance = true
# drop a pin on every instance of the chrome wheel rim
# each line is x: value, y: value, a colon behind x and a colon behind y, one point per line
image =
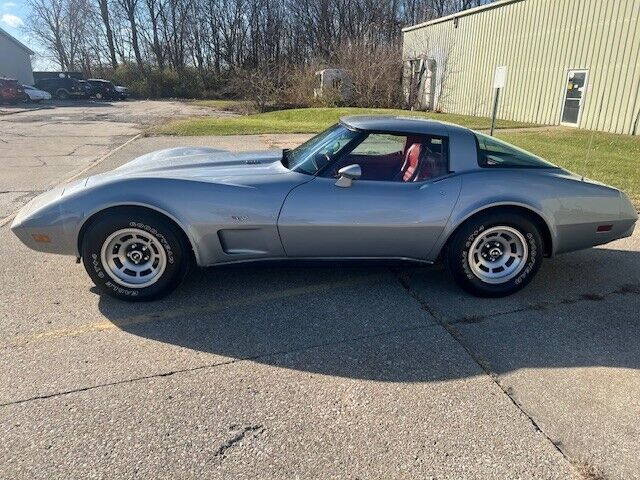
x: 498, y: 254
x: 133, y: 258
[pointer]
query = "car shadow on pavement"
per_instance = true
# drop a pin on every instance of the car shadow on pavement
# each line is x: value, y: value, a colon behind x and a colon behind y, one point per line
x: 400, y: 323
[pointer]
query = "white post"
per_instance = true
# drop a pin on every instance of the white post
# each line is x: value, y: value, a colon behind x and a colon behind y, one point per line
x: 499, y: 82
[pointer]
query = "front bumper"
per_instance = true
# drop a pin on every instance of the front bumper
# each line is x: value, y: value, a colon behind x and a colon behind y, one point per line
x: 45, y: 225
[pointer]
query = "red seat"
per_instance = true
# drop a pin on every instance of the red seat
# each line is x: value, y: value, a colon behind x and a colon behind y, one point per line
x: 411, y: 165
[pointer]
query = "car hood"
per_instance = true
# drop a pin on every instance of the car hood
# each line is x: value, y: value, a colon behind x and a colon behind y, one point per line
x: 204, y: 164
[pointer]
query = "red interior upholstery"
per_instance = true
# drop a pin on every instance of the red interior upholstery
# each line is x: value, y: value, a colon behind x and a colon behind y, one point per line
x: 411, y: 139
x: 412, y: 162
x: 417, y: 162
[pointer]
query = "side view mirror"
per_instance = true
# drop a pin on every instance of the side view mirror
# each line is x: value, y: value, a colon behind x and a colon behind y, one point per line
x: 346, y: 175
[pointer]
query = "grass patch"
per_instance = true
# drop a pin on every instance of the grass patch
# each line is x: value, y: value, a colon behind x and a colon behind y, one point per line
x: 605, y: 157
x: 304, y: 120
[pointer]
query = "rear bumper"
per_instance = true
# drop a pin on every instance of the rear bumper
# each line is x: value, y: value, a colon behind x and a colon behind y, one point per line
x: 616, y: 223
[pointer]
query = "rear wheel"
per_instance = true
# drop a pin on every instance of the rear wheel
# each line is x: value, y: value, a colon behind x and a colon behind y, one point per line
x: 495, y: 254
x: 135, y: 255
x: 62, y: 94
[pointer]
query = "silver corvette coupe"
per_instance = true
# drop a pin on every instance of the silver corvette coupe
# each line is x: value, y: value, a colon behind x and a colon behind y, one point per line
x: 373, y: 187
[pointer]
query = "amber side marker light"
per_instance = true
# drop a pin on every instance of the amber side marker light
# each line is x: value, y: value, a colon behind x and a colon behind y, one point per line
x: 41, y: 238
x: 604, y: 228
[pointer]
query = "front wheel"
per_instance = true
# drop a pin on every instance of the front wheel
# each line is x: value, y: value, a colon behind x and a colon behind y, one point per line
x: 135, y: 255
x: 495, y: 255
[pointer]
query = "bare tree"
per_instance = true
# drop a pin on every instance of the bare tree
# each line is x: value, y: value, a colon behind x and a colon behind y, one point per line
x: 155, y: 9
x: 104, y: 14
x: 188, y: 42
x: 375, y: 72
x: 263, y: 86
x: 130, y: 8
x: 61, y: 26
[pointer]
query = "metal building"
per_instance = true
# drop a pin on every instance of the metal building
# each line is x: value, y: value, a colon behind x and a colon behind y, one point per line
x: 569, y: 62
x: 15, y: 59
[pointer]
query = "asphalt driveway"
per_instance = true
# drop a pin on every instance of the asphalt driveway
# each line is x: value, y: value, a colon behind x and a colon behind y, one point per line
x: 339, y: 371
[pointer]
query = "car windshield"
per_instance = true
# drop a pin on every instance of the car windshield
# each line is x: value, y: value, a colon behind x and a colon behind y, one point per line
x: 317, y: 152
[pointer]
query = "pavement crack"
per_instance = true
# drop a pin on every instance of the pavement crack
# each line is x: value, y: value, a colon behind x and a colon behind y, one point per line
x: 478, y: 359
x: 220, y: 363
x: 241, y: 433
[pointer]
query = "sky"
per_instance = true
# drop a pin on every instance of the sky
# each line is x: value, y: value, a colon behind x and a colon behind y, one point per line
x: 13, y: 15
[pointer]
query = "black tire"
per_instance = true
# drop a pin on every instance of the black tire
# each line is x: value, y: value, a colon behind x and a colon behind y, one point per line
x: 177, y: 253
x: 457, y: 254
x: 62, y: 94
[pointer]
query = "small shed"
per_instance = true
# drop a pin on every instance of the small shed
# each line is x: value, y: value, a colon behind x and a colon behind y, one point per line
x: 334, y: 82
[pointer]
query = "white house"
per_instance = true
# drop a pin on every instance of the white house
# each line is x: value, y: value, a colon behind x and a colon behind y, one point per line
x: 15, y: 59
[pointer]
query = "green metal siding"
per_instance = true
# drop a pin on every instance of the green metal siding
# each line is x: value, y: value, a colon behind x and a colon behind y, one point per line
x: 540, y: 41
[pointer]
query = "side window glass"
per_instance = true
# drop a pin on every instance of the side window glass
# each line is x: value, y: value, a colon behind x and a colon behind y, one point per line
x: 496, y: 153
x: 380, y: 144
x: 434, y: 160
x: 398, y: 158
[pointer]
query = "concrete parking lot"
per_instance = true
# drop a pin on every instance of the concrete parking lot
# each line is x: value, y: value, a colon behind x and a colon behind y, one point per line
x: 43, y: 144
x: 339, y: 371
